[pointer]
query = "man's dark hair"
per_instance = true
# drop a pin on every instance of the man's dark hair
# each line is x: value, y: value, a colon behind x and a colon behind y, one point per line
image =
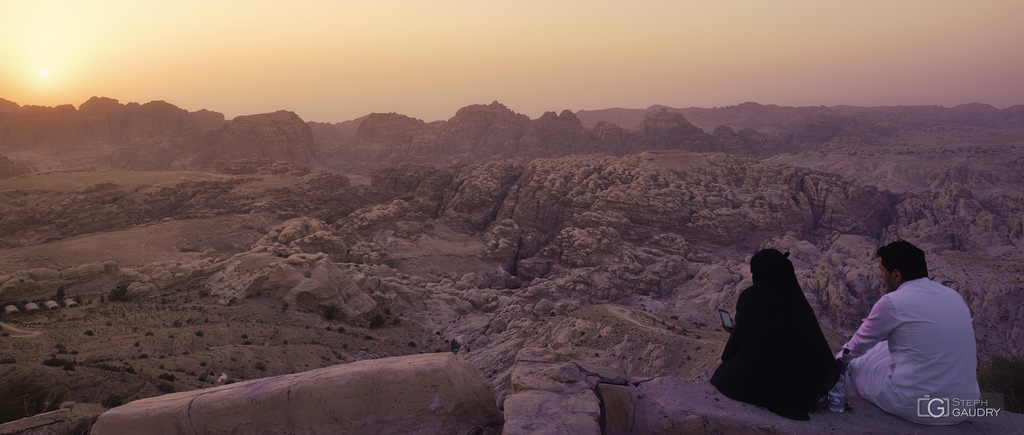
x: 906, y: 257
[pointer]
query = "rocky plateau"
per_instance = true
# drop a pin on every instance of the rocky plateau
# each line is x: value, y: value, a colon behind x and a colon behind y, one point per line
x: 202, y: 251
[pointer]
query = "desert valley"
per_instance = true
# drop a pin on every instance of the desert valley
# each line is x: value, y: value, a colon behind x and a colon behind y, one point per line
x: 184, y: 250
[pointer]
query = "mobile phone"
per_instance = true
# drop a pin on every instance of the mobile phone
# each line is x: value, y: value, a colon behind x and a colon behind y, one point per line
x: 726, y: 319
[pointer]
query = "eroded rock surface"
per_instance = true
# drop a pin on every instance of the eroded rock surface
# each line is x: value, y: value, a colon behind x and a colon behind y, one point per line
x: 262, y: 268
x: 433, y: 393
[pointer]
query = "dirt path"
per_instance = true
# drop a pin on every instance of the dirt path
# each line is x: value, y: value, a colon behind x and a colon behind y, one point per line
x: 18, y: 332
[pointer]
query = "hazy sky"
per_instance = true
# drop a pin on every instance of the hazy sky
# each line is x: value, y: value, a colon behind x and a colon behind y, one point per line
x: 339, y: 60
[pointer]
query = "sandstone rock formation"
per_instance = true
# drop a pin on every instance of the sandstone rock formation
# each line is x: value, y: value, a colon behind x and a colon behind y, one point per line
x: 157, y: 135
x: 433, y: 393
x: 281, y: 136
x: 9, y: 168
x: 554, y: 395
x: 256, y: 267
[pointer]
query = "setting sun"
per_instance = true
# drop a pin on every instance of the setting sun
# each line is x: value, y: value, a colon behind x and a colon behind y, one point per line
x: 44, y: 73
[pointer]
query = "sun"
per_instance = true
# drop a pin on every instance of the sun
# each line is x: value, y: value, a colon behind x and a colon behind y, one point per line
x: 44, y: 73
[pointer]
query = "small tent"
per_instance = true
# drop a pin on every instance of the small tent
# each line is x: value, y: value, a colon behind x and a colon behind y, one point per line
x: 70, y: 303
x: 11, y: 309
x: 31, y: 306
x: 51, y: 305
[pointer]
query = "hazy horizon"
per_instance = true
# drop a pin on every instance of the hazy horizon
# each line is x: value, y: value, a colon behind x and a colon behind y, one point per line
x: 335, y: 61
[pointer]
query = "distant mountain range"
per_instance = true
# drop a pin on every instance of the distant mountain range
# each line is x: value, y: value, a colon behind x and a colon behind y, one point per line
x: 105, y: 134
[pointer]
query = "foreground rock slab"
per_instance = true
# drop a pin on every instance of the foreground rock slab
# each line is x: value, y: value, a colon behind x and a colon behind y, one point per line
x: 429, y: 393
x: 671, y: 405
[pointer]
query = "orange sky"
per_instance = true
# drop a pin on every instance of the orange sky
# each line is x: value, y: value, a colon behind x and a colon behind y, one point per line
x: 338, y: 60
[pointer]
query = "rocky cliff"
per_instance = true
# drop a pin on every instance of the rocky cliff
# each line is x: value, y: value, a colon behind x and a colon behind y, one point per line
x: 104, y: 133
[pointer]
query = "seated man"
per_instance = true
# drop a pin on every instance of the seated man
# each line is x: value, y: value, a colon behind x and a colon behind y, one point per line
x: 777, y: 356
x: 917, y: 341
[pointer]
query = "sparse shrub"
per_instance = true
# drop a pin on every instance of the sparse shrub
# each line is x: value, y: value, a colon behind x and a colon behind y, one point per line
x: 167, y: 377
x: 330, y: 312
x: 1005, y: 375
x: 89, y: 332
x: 246, y: 342
x: 165, y: 387
x: 112, y: 401
x: 119, y: 294
x: 412, y: 344
x: 107, y: 367
x: 377, y: 321
x: 176, y: 323
x: 24, y: 397
x: 53, y: 361
x: 199, y: 333
x: 260, y: 366
x: 8, y: 360
x: 454, y: 345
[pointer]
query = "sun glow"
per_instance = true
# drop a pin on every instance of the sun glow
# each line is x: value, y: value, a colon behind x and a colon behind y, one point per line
x: 331, y: 61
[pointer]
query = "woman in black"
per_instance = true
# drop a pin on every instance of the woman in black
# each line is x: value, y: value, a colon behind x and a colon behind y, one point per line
x: 777, y: 356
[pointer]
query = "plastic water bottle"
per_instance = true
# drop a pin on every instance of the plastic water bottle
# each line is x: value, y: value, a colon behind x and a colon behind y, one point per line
x: 837, y: 395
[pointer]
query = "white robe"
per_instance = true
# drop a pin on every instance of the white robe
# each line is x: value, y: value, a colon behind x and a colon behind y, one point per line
x: 928, y: 349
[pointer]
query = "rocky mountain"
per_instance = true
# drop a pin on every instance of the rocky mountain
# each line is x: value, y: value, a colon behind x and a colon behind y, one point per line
x: 106, y: 134
x: 103, y: 133
x: 255, y: 267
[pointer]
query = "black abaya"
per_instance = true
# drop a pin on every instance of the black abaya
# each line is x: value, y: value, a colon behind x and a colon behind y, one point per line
x: 777, y: 356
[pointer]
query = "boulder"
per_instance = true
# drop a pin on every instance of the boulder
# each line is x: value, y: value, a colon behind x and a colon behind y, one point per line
x: 554, y: 394
x: 428, y: 393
